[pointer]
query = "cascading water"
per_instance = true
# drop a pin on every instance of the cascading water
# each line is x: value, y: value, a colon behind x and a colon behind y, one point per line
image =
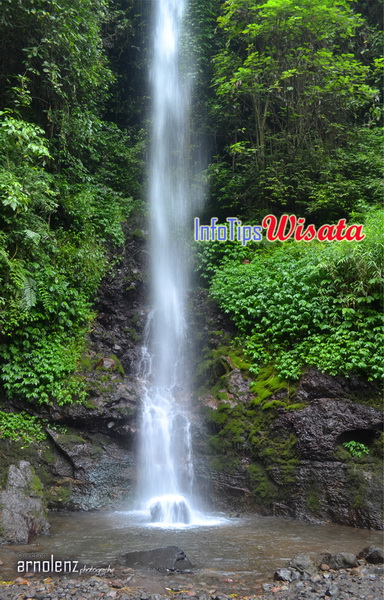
x: 166, y: 472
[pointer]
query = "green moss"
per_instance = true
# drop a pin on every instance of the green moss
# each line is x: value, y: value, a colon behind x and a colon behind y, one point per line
x: 125, y: 411
x: 96, y: 451
x: 35, y: 487
x: 273, y: 404
x: 89, y: 404
x: 71, y: 438
x: 101, y: 388
x: 358, y: 485
x: 216, y: 363
x: 85, y: 364
x: 268, y: 382
x: 60, y: 494
x: 227, y: 463
x: 262, y: 487
x: 116, y: 367
x: 313, y: 500
x: 119, y: 367
x: 297, y: 406
x: 132, y: 333
x: 377, y: 448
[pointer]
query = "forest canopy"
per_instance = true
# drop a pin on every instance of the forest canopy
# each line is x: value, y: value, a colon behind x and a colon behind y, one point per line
x: 288, y: 103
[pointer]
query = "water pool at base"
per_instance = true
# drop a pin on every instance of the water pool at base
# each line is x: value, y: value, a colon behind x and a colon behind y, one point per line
x: 251, y: 545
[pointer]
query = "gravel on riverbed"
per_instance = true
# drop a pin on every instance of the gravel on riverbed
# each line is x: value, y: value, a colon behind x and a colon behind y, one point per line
x: 307, y: 576
x: 364, y: 582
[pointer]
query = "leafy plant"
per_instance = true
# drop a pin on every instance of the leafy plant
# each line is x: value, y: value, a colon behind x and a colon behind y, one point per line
x: 309, y: 304
x: 356, y: 448
x: 21, y: 427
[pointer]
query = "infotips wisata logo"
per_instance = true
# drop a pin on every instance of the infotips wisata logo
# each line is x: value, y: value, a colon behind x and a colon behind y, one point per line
x: 282, y: 229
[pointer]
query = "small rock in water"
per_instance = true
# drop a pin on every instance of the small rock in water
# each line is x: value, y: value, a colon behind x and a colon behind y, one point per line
x: 283, y: 575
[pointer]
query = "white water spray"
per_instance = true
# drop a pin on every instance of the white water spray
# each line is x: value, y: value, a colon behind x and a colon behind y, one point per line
x: 166, y: 471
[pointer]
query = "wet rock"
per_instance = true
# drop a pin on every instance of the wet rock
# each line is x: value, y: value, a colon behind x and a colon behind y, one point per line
x: 100, y: 471
x: 372, y: 555
x: 175, y: 510
x: 170, y: 558
x: 332, y: 590
x: 319, y: 425
x: 303, y: 563
x: 238, y: 386
x: 283, y: 575
x: 341, y: 560
x: 314, y: 384
x: 23, y: 513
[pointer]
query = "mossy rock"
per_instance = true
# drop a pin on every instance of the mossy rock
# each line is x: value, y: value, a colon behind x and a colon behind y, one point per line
x: 262, y: 486
x: 268, y: 382
x: 35, y: 487
x: 70, y: 439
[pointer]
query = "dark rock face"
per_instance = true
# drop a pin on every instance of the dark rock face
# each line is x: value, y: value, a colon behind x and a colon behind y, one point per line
x: 323, y: 485
x: 22, y: 508
x: 320, y: 425
x: 112, y: 412
x: 121, y: 306
x: 170, y: 558
x: 93, y: 470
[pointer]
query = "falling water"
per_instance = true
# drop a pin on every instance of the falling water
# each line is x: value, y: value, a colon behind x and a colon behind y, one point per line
x: 166, y: 473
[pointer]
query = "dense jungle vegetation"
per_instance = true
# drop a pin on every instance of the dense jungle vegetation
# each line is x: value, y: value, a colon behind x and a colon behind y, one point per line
x: 288, y: 106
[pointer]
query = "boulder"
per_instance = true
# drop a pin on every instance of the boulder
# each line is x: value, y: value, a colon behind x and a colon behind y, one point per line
x: 22, y: 506
x: 372, y: 555
x: 341, y: 560
x: 170, y: 558
x: 304, y: 564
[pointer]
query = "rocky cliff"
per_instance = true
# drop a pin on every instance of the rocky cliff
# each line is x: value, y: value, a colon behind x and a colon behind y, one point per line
x: 260, y: 443
x: 309, y: 450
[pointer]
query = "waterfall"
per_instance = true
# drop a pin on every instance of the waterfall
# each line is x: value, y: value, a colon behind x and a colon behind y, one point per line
x: 165, y: 469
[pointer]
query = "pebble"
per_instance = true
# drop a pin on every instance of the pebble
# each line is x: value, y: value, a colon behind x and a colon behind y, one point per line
x: 364, y: 581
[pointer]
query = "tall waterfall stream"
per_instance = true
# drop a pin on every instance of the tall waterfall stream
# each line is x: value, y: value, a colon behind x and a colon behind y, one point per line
x: 165, y: 462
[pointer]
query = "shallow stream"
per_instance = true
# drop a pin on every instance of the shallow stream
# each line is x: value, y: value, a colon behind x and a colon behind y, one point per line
x: 249, y: 547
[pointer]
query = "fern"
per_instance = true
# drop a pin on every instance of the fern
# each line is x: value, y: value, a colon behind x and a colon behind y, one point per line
x: 28, y: 299
x: 24, y: 284
x: 17, y: 273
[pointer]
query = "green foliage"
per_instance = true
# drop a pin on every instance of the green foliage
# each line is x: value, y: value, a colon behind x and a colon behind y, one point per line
x: 310, y: 304
x: 294, y: 96
x: 67, y: 177
x: 213, y: 255
x: 40, y: 369
x: 57, y: 46
x: 21, y: 427
x: 356, y: 448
